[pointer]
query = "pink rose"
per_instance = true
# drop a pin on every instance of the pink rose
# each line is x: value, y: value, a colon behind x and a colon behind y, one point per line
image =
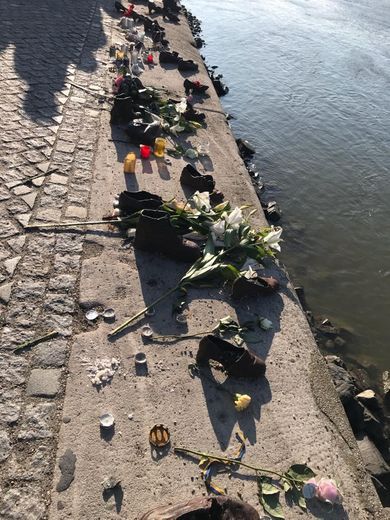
x: 327, y: 491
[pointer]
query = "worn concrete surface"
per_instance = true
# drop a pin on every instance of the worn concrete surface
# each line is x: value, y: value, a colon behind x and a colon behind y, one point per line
x: 295, y: 415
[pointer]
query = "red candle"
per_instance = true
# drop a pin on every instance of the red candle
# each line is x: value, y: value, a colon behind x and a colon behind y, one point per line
x: 145, y: 151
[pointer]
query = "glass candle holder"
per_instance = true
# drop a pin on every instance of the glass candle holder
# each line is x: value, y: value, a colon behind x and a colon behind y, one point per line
x: 159, y: 147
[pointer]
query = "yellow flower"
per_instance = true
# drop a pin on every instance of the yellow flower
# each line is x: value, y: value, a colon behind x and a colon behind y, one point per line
x: 241, y: 402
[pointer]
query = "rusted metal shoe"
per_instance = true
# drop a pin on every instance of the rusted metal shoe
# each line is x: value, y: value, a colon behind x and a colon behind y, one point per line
x: 155, y: 233
x: 237, y: 361
x: 253, y: 287
x: 204, y: 508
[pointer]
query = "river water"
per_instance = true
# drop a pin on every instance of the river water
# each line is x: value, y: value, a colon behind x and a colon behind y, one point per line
x: 310, y: 89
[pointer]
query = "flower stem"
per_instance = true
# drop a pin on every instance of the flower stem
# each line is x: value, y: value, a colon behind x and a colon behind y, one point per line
x: 35, y: 341
x: 71, y: 224
x: 142, y: 312
x: 226, y: 460
x: 184, y: 336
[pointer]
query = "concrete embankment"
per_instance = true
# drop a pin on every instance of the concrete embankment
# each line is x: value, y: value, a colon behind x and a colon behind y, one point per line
x: 295, y: 416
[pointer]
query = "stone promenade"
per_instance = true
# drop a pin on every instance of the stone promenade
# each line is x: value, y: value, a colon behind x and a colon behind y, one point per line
x: 60, y: 160
x: 46, y: 125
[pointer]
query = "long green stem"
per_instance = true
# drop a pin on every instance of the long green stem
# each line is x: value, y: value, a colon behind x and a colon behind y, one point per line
x: 142, y: 312
x: 71, y: 224
x: 227, y: 460
x: 184, y: 336
x: 35, y: 341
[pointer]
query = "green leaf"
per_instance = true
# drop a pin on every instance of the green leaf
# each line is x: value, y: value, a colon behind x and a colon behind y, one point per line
x: 229, y: 272
x: 286, y: 485
x: 295, y: 495
x: 270, y: 502
x: 300, y: 472
x: 267, y: 486
x: 209, y: 248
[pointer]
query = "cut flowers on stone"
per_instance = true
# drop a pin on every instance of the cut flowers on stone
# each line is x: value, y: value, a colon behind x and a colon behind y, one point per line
x: 295, y: 482
x: 231, y: 240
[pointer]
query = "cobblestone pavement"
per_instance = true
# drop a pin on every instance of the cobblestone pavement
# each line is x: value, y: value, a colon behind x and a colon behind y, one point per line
x: 46, y: 125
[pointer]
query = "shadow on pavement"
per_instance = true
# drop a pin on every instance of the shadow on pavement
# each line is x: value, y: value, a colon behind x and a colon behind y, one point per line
x: 47, y: 37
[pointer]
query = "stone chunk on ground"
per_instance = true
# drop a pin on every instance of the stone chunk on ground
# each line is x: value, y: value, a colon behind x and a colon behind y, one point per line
x: 44, y: 383
x: 67, y: 466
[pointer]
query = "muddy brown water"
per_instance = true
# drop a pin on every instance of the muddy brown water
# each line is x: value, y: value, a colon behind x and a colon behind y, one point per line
x: 309, y: 87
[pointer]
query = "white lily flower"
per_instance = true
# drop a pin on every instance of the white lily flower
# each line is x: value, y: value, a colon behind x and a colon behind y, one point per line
x: 234, y: 219
x: 273, y: 238
x: 202, y: 201
x: 182, y: 106
x: 217, y: 232
x: 249, y: 273
x: 265, y: 324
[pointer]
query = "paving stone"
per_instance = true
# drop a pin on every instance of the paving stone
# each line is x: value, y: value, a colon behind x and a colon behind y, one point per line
x: 63, y: 146
x: 38, y: 181
x: 66, y: 263
x: 62, y: 323
x: 58, y: 179
x: 21, y: 190
x: 62, y: 282
x: 5, y: 446
x: 29, y: 290
x: 23, y: 219
x: 4, y: 253
x: 55, y: 190
x: 8, y: 230
x: 12, y: 368
x: 77, y: 99
x: 24, y: 503
x: 76, y: 212
x: 10, y: 404
x: 69, y: 244
x: 59, y: 303
x: 49, y: 215
x: 11, y: 264
x: 17, y: 243
x: 30, y: 466
x: 43, y: 383
x: 43, y: 166
x: 30, y: 199
x: 37, y: 421
x: 5, y: 293
x: 4, y: 194
x: 17, y: 205
x: 12, y: 337
x: 51, y: 354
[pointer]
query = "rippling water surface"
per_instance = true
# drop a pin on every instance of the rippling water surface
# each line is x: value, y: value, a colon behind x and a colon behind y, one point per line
x: 310, y: 88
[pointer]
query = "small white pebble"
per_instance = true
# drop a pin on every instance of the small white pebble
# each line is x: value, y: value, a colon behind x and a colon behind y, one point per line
x: 130, y: 416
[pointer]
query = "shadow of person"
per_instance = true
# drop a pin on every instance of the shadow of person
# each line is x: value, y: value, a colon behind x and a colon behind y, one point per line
x: 220, y: 404
x: 47, y: 37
